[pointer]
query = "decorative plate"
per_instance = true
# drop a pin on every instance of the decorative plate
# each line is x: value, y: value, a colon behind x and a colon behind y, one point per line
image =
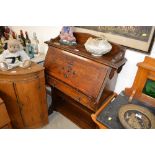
x: 134, y: 116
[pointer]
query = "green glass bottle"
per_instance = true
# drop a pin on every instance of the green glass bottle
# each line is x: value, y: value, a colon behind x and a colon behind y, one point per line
x: 23, y: 38
x: 1, y: 46
x: 27, y: 40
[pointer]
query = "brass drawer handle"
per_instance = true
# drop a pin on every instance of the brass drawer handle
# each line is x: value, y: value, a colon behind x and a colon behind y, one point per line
x: 65, y: 75
x: 78, y: 99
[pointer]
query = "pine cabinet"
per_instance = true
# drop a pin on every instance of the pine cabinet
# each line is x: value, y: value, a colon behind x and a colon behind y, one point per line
x: 4, y: 117
x: 23, y: 91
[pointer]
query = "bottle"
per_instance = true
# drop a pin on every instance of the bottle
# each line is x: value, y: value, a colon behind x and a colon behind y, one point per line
x: 7, y: 29
x: 6, y: 35
x: 35, y: 43
x: 19, y: 39
x: 27, y: 40
x: 14, y: 35
x: 21, y: 42
x: 10, y: 36
x: 2, y: 30
x: 23, y: 38
x: 30, y: 50
x: 4, y: 44
x: 1, y: 46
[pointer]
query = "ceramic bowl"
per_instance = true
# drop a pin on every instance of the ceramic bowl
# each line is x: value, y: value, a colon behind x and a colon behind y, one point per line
x: 98, y: 46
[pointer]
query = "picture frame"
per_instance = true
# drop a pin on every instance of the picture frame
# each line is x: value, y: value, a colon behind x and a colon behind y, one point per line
x: 140, y: 38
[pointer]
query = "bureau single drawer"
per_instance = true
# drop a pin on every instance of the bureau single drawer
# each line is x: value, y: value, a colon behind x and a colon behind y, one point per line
x: 4, y: 118
x: 80, y: 73
x: 73, y: 93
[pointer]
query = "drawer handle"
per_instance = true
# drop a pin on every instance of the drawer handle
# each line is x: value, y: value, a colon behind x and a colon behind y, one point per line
x: 65, y: 75
x: 78, y: 99
x: 73, y: 72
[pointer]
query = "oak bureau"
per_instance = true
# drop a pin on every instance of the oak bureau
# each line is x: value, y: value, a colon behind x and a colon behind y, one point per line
x: 81, y: 82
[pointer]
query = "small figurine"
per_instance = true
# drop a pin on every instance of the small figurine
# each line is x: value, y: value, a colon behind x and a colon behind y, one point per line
x: 35, y: 43
x: 66, y: 36
x: 14, y: 56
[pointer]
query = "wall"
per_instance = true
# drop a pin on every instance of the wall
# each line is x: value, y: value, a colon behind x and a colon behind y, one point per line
x: 125, y: 78
x: 44, y: 33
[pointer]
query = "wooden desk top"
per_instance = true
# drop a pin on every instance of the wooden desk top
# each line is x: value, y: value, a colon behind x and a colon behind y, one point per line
x: 115, y: 58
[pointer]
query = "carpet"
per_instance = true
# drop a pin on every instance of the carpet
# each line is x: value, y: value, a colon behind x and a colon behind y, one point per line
x: 58, y: 121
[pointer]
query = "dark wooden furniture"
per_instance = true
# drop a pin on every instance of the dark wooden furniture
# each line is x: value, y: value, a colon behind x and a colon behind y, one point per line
x: 23, y: 91
x: 80, y: 82
x: 4, y: 117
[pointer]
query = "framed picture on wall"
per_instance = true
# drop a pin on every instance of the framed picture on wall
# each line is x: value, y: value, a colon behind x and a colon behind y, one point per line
x: 137, y: 37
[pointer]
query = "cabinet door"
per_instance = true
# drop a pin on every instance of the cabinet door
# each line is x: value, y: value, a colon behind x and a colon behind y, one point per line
x: 32, y: 100
x: 4, y: 118
x: 9, y: 97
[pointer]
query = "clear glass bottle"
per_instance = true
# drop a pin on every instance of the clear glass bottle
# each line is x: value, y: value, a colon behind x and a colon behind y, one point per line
x: 35, y: 43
